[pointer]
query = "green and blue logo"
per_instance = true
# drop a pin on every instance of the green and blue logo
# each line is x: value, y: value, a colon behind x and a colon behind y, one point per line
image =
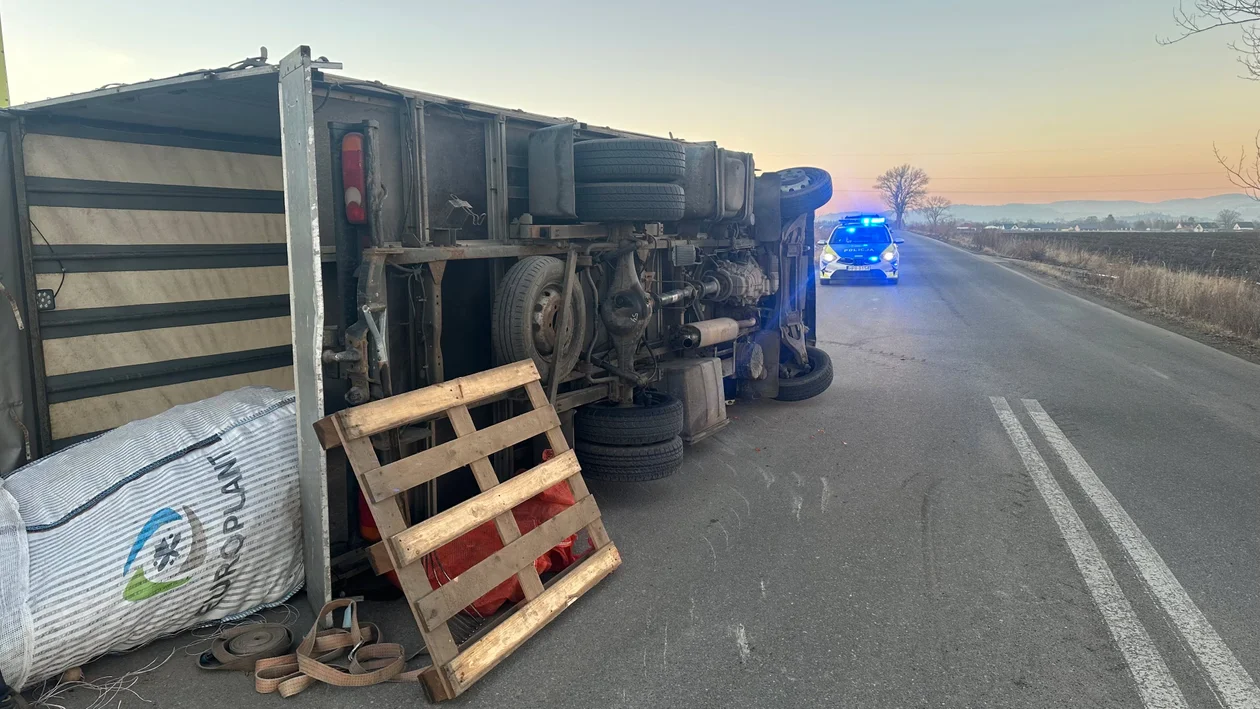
x: 166, y: 551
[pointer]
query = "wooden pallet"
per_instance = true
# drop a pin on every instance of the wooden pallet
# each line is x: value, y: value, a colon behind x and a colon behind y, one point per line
x: 454, y: 669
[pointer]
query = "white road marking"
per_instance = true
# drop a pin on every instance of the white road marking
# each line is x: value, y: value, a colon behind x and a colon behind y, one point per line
x: 1154, y: 682
x: 1235, y: 688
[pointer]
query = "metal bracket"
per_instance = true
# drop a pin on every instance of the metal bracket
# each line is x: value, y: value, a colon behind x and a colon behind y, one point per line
x: 566, y: 291
x: 626, y: 313
x: 382, y: 348
x: 794, y: 337
x: 374, y: 319
x: 431, y: 322
x: 17, y: 312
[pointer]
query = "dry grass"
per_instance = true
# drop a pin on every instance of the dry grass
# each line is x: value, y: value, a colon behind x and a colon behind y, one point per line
x: 1221, y: 304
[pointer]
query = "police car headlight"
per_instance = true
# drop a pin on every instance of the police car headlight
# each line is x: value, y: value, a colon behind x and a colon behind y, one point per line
x: 890, y: 254
x: 828, y: 258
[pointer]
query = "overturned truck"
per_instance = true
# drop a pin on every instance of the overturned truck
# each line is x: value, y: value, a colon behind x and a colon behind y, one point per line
x: 288, y: 226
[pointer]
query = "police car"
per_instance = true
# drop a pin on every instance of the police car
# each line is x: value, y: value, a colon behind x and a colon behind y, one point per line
x: 861, y: 247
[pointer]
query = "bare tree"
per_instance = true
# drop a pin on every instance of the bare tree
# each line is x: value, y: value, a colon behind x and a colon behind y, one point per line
x: 934, y: 208
x: 1207, y: 15
x: 903, y: 188
x: 1227, y: 218
x: 1244, y: 172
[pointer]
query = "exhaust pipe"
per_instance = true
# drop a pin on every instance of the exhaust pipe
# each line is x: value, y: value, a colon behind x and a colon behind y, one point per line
x: 711, y: 332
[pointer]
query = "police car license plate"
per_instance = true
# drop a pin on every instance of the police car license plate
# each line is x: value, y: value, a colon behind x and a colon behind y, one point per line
x: 859, y: 268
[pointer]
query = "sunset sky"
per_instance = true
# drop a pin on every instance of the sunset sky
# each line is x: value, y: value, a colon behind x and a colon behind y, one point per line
x: 999, y: 100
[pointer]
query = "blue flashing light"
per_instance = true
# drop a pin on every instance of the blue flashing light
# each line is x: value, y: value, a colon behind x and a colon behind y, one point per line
x: 866, y: 221
x: 874, y: 259
x: 851, y: 230
x: 878, y: 220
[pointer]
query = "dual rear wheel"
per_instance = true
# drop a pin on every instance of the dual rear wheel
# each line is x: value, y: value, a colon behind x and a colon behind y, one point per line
x: 630, y: 443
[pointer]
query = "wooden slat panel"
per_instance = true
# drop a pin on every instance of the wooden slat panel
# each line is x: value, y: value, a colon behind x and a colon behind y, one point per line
x: 378, y: 558
x: 420, y: 404
x: 119, y: 349
x: 413, y: 579
x: 108, y: 289
x: 505, y: 523
x: 472, y: 664
x: 559, y: 444
x: 75, y: 226
x: 448, y: 525
x: 460, y: 592
x: 426, y: 465
x: 87, y: 159
x: 74, y: 418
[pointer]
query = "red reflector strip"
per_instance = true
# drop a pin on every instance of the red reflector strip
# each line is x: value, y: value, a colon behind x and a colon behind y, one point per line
x: 354, y: 177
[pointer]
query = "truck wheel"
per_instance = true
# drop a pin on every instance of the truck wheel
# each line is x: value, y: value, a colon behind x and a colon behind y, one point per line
x: 655, y: 417
x: 526, y: 318
x: 629, y: 160
x: 802, y: 189
x: 630, y: 202
x: 630, y: 463
x: 811, y: 383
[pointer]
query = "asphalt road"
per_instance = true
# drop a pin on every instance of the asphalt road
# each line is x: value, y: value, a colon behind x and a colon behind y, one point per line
x: 887, y: 544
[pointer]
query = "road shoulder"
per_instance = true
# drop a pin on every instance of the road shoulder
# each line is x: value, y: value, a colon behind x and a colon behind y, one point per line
x: 1064, y: 279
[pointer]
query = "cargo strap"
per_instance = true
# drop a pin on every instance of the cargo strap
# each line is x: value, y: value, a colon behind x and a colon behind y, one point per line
x: 347, y: 656
x: 239, y: 648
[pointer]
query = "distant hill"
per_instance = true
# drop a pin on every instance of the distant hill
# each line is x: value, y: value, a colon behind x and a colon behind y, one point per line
x: 1202, y: 208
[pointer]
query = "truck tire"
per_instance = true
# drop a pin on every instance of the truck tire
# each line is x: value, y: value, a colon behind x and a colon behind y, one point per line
x: 655, y: 417
x: 630, y: 202
x: 801, y: 190
x: 630, y: 463
x: 811, y: 383
x: 526, y: 317
x: 629, y: 160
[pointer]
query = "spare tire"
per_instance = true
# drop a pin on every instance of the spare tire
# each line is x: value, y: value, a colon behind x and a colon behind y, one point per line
x: 630, y: 202
x: 802, y: 189
x: 629, y: 160
x: 630, y: 463
x: 526, y: 317
x: 811, y: 383
x: 655, y: 417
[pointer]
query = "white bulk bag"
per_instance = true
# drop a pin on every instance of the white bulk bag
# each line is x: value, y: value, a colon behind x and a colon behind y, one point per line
x: 160, y: 525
